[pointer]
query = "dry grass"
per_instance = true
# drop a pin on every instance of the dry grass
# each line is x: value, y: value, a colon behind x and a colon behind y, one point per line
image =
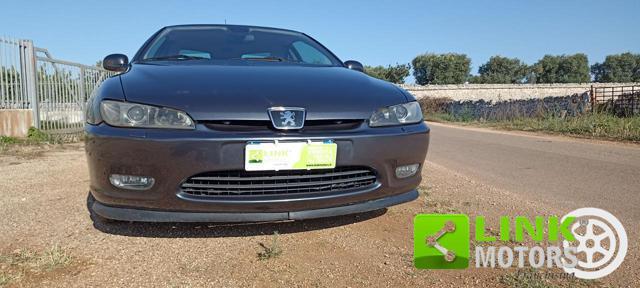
x: 5, y: 278
x: 270, y: 251
x: 597, y: 125
x: 22, y: 263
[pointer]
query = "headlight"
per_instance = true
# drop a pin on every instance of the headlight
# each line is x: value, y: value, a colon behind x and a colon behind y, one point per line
x: 407, y: 113
x: 123, y: 114
x: 89, y: 112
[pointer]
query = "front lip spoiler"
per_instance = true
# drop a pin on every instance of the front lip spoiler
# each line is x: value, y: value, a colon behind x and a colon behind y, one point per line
x: 130, y: 214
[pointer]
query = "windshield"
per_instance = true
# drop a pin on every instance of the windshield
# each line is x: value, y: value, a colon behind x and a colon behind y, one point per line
x: 236, y: 43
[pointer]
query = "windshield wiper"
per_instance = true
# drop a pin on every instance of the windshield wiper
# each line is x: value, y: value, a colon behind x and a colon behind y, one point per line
x: 269, y: 58
x: 179, y: 57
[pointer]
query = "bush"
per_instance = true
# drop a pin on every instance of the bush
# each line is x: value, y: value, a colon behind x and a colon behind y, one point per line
x: 447, y: 68
x: 431, y: 105
x: 37, y: 135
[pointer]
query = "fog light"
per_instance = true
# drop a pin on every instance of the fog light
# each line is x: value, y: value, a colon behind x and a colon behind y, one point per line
x: 406, y: 170
x: 131, y: 182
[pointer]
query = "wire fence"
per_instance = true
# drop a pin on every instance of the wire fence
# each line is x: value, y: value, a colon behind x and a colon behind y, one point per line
x: 54, y: 90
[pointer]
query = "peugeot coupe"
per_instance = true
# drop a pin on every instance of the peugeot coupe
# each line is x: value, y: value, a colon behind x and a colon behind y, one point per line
x: 229, y: 123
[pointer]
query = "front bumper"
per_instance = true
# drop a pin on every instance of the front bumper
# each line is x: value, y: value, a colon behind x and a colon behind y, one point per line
x: 129, y: 214
x: 173, y: 156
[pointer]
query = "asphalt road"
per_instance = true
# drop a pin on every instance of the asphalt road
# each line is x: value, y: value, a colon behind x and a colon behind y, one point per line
x: 570, y: 172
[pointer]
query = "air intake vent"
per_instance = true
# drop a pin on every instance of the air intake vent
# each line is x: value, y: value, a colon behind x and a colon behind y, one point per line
x: 256, y: 183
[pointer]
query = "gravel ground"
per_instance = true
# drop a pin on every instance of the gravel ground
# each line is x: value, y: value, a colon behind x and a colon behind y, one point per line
x: 43, y: 205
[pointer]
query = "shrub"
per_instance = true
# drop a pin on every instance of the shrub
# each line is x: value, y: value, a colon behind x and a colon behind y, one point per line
x: 37, y: 135
x: 431, y: 105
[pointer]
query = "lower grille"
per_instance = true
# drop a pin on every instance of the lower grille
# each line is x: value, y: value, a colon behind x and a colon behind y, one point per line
x: 256, y: 183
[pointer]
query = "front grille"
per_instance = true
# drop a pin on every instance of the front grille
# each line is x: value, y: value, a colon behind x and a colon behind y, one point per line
x: 257, y: 183
x: 261, y: 125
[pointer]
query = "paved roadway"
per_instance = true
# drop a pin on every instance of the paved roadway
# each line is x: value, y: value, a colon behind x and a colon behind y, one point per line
x: 580, y: 173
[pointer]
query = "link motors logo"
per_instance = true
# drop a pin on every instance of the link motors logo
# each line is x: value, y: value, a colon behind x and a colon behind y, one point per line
x: 600, y: 238
x: 589, y: 243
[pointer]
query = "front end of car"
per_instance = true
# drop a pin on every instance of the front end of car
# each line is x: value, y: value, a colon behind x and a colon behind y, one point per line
x: 157, y: 164
x: 226, y: 123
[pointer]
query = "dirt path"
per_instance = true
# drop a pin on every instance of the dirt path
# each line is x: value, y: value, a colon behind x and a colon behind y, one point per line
x: 43, y: 205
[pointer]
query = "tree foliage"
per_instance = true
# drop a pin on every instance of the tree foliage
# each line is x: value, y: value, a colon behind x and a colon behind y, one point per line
x: 502, y: 70
x: 562, y: 69
x: 447, y: 68
x: 623, y: 67
x: 394, y: 74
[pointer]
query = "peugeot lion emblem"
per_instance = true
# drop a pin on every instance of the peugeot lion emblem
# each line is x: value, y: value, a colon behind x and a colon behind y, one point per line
x: 287, y: 117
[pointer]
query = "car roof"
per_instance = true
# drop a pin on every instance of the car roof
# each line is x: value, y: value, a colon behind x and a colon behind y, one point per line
x: 230, y: 26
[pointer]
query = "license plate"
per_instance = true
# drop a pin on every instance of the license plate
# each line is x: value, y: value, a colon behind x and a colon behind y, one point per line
x: 290, y: 156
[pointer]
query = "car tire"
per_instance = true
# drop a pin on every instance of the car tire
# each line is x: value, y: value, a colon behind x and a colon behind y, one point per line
x: 93, y: 215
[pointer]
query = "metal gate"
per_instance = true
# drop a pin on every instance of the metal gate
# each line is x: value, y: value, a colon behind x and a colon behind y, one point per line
x: 55, y: 90
x: 620, y: 100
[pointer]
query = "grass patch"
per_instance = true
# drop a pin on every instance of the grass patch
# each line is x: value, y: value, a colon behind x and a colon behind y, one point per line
x: 270, y: 251
x: 26, y: 262
x: 8, y: 140
x: 30, y: 147
x: 592, y: 125
x: 441, y: 117
x: 5, y: 278
x: 53, y: 258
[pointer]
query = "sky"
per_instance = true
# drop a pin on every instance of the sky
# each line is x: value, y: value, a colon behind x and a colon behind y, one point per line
x: 372, y: 32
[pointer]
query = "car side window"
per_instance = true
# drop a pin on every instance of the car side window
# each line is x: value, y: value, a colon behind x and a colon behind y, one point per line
x: 310, y: 55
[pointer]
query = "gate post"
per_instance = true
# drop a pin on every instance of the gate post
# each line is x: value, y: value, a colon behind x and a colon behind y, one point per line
x: 83, y: 96
x: 31, y: 79
x: 593, y: 99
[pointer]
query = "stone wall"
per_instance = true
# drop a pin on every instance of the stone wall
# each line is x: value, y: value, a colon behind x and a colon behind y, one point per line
x: 501, y: 92
x: 481, y: 110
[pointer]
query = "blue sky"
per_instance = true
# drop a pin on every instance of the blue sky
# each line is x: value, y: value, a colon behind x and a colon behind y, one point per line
x: 373, y: 32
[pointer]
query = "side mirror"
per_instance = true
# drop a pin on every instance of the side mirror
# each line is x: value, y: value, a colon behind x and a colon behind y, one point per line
x: 354, y: 65
x: 116, y: 62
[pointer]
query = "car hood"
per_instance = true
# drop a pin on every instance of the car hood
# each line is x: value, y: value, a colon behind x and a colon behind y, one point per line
x: 244, y: 92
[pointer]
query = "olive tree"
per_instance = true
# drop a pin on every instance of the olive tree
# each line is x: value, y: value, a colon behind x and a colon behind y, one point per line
x: 502, y: 70
x: 562, y: 69
x: 450, y: 68
x: 394, y: 74
x: 623, y: 67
